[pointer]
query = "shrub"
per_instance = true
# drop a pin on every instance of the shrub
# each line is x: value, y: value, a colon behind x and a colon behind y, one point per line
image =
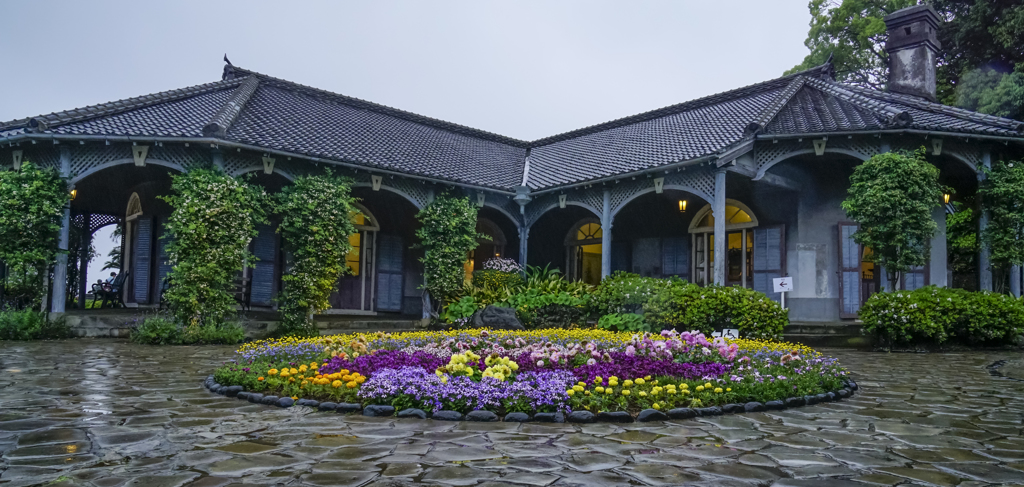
x: 623, y: 322
x: 623, y: 292
x: 31, y: 325
x: 543, y: 300
x: 447, y: 234
x: 495, y: 279
x: 160, y: 330
x: 157, y: 331
x: 226, y: 333
x: 933, y: 315
x: 690, y: 307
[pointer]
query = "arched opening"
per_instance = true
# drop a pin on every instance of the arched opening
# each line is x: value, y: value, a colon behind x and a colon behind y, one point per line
x: 355, y: 289
x: 487, y: 248
x: 583, y: 250
x: 650, y: 237
x: 739, y: 257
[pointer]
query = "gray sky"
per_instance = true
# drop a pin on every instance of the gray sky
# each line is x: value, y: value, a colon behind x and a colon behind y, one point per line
x: 524, y: 69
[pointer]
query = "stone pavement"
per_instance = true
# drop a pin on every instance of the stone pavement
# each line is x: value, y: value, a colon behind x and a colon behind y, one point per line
x: 107, y: 413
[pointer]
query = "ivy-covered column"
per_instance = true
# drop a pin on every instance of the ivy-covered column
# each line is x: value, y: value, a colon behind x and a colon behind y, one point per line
x: 718, y: 211
x: 606, y: 235
x: 984, y: 253
x: 83, y: 259
x: 60, y: 271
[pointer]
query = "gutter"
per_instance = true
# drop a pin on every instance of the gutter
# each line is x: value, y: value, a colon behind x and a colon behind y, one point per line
x: 934, y: 133
x: 641, y: 172
x: 237, y: 145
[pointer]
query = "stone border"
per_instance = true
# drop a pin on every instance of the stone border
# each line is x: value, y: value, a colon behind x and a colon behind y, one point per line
x: 646, y: 415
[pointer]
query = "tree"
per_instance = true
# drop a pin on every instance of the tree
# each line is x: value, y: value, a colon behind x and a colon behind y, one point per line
x: 316, y: 222
x: 447, y: 235
x: 214, y: 219
x: 32, y: 202
x: 962, y: 243
x: 1002, y: 195
x: 891, y: 196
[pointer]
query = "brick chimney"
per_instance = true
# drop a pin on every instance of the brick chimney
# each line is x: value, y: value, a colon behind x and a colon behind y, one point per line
x: 913, y: 46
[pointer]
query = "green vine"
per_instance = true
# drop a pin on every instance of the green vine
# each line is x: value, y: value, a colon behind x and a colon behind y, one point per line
x: 316, y: 224
x: 32, y: 203
x: 1002, y: 195
x: 447, y: 235
x: 214, y: 219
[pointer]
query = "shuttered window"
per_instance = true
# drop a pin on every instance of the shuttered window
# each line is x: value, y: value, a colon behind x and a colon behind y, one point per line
x: 264, y: 248
x: 915, y: 278
x: 389, y: 273
x: 769, y: 258
x: 675, y: 257
x: 849, y: 271
x: 143, y: 258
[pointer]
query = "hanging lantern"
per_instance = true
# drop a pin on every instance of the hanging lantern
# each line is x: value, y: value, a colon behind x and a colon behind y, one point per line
x: 945, y: 198
x: 682, y: 206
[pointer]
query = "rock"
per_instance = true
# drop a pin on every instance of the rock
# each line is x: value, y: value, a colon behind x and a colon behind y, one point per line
x: 255, y: 397
x: 484, y: 416
x: 285, y: 402
x: 496, y: 318
x: 348, y: 407
x: 516, y: 418
x: 793, y: 402
x: 214, y: 386
x: 843, y: 393
x: 851, y: 385
x: 831, y: 396
x: 327, y: 406
x: 412, y: 413
x: 648, y: 415
x: 445, y: 415
x: 581, y: 417
x: 379, y: 410
x: 753, y: 407
x: 544, y: 417
x: 811, y: 400
x: 217, y: 388
x: 821, y: 398
x: 774, y: 405
x: 614, y: 417
x: 682, y: 413
x: 269, y: 400
x: 732, y: 408
x: 711, y: 411
x: 312, y: 404
x: 242, y: 395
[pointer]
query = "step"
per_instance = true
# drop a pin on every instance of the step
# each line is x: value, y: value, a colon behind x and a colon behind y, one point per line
x: 830, y: 341
x: 824, y: 328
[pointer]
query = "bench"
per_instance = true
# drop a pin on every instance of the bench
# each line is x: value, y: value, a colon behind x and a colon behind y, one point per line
x: 113, y: 296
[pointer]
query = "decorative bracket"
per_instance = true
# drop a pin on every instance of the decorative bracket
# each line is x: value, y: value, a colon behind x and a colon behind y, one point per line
x: 375, y: 181
x: 268, y: 165
x: 17, y: 159
x: 819, y: 147
x: 561, y: 201
x: 936, y: 147
x: 480, y: 198
x: 139, y: 153
x: 659, y: 185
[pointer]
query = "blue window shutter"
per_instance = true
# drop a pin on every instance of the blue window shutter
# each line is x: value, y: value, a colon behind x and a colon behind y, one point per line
x: 264, y: 248
x: 143, y: 247
x: 675, y: 257
x: 769, y: 258
x: 389, y: 273
x: 621, y: 260
x: 850, y: 278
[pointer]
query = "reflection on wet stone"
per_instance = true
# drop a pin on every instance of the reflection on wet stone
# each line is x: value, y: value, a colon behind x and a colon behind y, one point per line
x: 137, y: 415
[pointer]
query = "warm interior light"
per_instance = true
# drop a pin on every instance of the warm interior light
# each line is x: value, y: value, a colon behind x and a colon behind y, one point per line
x: 74, y: 193
x: 945, y: 198
x: 682, y: 205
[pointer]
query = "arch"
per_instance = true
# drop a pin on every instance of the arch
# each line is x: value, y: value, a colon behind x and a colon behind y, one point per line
x: 493, y: 230
x: 678, y: 187
x: 956, y: 155
x: 371, y: 223
x: 573, y: 237
x: 505, y: 212
x: 392, y: 189
x: 789, y: 155
x: 584, y: 251
x: 95, y: 169
x: 551, y: 206
x: 250, y: 169
x: 134, y: 209
x: 694, y: 228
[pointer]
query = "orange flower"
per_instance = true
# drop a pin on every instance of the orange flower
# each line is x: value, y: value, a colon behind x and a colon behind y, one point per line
x: 259, y: 379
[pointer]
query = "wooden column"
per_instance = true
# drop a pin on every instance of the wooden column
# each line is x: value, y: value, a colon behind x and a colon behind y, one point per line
x: 606, y: 235
x: 984, y: 253
x: 83, y: 259
x: 60, y: 271
x: 718, y: 210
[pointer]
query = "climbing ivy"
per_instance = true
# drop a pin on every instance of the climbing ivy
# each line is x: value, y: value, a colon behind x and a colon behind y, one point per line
x: 1003, y: 196
x: 32, y: 202
x: 316, y: 222
x: 214, y: 219
x: 447, y: 235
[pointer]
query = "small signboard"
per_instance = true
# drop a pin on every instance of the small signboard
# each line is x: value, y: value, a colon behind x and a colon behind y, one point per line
x: 727, y: 333
x: 783, y: 284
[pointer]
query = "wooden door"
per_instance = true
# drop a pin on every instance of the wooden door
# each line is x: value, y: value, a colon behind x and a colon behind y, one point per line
x: 390, y: 253
x: 769, y: 258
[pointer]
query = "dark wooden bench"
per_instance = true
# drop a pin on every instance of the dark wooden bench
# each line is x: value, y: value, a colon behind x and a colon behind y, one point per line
x: 113, y: 296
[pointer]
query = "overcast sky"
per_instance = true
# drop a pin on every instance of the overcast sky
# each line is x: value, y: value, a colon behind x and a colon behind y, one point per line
x: 524, y: 69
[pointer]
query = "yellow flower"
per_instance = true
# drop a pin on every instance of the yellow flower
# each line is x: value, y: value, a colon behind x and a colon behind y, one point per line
x: 608, y: 391
x: 351, y: 384
x: 295, y: 398
x: 302, y: 368
x: 647, y: 377
x: 642, y: 394
x: 294, y: 371
x: 656, y: 406
x: 616, y: 379
x: 700, y: 388
x: 639, y: 382
x: 718, y: 390
x: 272, y: 372
x: 598, y: 380
x: 577, y: 388
x: 586, y: 393
x: 728, y: 389
x: 336, y: 384
x: 627, y: 383
x: 570, y: 392
x: 708, y: 385
x: 684, y: 386
x: 599, y: 389
x: 581, y: 384
x: 625, y: 392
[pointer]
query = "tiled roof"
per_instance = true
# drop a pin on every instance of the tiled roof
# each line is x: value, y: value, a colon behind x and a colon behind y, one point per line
x: 258, y: 110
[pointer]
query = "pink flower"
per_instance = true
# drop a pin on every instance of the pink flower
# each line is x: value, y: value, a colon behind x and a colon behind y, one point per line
x: 591, y: 361
x: 540, y: 363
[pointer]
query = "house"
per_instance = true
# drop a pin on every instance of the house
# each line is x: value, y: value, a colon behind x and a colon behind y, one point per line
x: 737, y: 188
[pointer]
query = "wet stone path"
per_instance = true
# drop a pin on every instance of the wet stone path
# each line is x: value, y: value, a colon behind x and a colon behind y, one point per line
x: 107, y: 413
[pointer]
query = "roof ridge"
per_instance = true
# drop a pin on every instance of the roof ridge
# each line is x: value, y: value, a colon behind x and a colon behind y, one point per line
x: 892, y: 116
x: 43, y: 122
x: 769, y: 112
x: 226, y: 115
x: 822, y: 70
x: 383, y: 109
x: 929, y: 106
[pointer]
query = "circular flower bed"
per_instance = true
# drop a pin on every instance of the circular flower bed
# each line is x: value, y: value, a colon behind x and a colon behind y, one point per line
x: 585, y: 374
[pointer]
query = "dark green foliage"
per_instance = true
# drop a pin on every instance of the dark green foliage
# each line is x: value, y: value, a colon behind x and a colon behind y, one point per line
x: 962, y: 240
x: 891, y: 196
x: 495, y: 279
x: 31, y: 325
x: 623, y: 322
x: 542, y: 299
x: 447, y: 235
x: 933, y: 315
x: 1003, y: 197
x: 316, y: 222
x: 32, y: 202
x: 686, y: 306
x: 624, y: 292
x: 160, y: 330
x: 214, y: 219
